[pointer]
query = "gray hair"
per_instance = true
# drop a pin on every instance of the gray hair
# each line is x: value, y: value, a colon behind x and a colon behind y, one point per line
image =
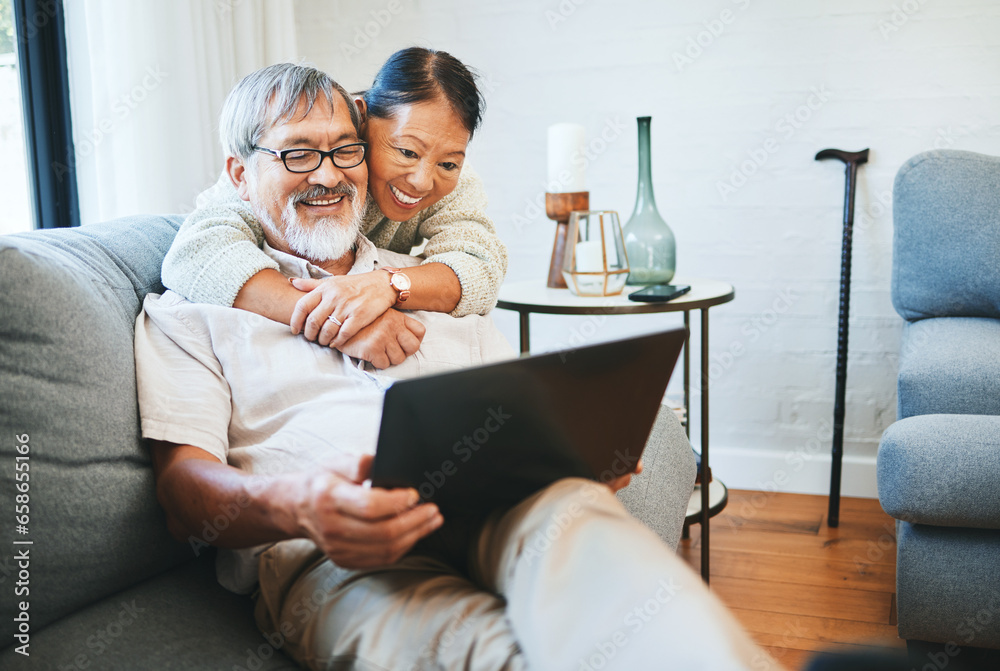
x: 271, y: 96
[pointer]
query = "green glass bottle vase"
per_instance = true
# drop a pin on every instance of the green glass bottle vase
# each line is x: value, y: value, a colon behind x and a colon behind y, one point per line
x: 649, y: 242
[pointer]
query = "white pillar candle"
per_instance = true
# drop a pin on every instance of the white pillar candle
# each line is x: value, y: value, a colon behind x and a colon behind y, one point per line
x: 566, y: 158
x: 589, y: 257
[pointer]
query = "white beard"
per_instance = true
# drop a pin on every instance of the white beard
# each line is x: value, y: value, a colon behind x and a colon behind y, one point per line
x: 328, y: 239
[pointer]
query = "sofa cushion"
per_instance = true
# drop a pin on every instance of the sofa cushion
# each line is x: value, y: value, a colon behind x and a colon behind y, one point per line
x: 182, y: 619
x: 946, y: 236
x: 950, y: 365
x: 948, y: 586
x: 69, y: 299
x: 942, y: 470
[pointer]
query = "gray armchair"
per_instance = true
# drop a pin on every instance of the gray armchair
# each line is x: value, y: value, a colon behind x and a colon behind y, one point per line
x: 939, y: 464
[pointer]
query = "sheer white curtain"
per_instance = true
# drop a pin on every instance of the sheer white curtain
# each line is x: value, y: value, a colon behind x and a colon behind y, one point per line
x: 147, y: 81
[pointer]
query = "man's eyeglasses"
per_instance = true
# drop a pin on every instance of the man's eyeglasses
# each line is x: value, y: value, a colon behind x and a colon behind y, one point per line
x: 307, y: 160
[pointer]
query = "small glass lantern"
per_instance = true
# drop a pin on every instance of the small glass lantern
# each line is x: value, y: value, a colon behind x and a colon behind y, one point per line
x: 594, y: 261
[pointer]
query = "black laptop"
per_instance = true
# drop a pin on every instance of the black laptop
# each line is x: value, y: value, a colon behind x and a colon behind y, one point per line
x: 487, y: 437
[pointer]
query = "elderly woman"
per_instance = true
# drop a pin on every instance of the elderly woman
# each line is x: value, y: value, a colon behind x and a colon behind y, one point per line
x: 416, y: 122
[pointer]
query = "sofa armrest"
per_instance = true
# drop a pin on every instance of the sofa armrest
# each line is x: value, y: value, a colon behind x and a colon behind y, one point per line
x: 942, y: 470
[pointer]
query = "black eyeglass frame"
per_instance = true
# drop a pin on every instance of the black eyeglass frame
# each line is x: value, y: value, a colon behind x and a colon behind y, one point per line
x: 332, y: 154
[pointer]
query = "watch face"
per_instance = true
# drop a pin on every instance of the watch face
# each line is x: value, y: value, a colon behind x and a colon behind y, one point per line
x: 400, y: 281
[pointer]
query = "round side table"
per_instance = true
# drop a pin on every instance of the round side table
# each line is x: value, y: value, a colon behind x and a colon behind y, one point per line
x: 528, y: 296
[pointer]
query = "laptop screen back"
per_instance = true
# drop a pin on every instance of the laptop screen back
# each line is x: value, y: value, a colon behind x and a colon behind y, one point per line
x: 485, y: 438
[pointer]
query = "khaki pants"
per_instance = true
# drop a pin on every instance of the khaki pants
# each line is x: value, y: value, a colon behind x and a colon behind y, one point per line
x: 567, y: 579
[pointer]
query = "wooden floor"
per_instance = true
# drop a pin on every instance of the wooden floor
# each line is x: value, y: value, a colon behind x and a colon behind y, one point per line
x: 796, y: 584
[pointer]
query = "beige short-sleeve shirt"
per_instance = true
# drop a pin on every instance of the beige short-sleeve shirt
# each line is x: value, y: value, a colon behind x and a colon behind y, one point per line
x: 246, y: 390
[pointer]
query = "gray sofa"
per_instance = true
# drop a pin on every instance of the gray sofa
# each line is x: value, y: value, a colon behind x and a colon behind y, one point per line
x: 939, y: 464
x: 108, y: 588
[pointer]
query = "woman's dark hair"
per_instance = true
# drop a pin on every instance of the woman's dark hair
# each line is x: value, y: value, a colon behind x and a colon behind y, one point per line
x: 417, y: 74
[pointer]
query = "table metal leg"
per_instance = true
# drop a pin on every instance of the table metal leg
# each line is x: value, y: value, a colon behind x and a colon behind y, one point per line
x: 525, y: 333
x: 704, y: 445
x: 687, y: 375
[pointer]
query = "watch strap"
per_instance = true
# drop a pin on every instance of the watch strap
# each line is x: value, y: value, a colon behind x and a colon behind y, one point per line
x: 401, y: 294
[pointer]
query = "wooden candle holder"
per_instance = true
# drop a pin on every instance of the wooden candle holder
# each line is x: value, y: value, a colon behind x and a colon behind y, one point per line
x: 558, y: 207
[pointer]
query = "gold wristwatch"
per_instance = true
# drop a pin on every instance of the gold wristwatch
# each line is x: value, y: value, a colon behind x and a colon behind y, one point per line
x: 399, y: 281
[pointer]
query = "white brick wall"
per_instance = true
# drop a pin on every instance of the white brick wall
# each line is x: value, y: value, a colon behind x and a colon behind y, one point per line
x: 897, y: 76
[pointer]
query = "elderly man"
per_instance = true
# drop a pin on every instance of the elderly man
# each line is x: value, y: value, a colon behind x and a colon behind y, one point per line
x: 277, y: 431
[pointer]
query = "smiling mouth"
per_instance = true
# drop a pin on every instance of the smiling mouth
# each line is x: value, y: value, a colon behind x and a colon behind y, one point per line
x: 402, y: 197
x: 320, y: 202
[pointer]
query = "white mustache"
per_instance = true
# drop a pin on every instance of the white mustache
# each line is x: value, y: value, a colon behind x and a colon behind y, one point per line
x: 317, y: 192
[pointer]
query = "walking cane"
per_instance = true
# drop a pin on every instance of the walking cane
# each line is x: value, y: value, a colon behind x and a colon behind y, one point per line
x: 852, y: 159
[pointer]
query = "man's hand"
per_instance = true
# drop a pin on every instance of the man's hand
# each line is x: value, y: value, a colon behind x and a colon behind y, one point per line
x: 356, y: 526
x: 387, y: 341
x: 354, y: 300
x: 622, y: 481
x: 362, y: 527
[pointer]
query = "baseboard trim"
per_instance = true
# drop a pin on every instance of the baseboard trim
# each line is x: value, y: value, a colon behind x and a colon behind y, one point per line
x: 781, y: 471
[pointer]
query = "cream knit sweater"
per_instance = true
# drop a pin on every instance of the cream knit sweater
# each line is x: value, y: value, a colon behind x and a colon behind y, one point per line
x: 218, y: 248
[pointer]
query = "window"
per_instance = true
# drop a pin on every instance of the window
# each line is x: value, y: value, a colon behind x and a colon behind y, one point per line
x: 40, y: 44
x: 15, y: 213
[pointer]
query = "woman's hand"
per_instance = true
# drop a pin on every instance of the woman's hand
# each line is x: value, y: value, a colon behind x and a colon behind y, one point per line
x: 353, y: 300
x: 622, y: 481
